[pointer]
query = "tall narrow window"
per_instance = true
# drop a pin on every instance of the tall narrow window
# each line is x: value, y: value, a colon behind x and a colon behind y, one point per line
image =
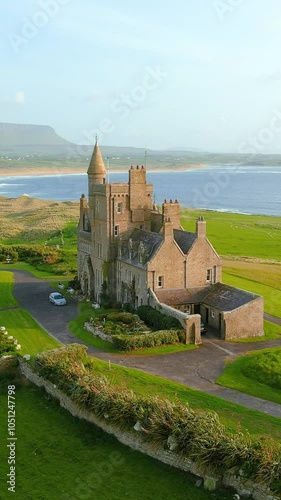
x: 116, y: 230
x: 209, y: 276
x: 97, y: 206
x: 100, y: 228
x: 119, y: 207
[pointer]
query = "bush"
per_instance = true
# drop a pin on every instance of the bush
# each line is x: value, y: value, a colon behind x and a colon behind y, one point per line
x: 156, y: 320
x: 155, y: 339
x: 122, y: 317
x: 265, y: 367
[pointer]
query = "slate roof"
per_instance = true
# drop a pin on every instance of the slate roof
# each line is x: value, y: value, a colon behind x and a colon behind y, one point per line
x: 151, y: 242
x: 228, y: 298
x: 174, y: 297
x: 184, y: 239
x: 220, y: 296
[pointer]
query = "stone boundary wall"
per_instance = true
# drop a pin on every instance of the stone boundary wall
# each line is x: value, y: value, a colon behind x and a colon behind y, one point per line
x: 190, y: 322
x: 168, y: 310
x: 242, y: 486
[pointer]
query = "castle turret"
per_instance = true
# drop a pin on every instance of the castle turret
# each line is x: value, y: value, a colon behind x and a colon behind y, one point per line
x: 96, y: 170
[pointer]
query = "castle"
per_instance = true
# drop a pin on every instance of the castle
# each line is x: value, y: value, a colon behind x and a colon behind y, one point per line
x: 140, y: 255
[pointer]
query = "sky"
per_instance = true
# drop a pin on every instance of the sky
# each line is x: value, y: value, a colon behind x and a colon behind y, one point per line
x: 196, y: 74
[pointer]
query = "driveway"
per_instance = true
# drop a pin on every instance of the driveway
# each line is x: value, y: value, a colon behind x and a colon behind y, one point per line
x: 197, y: 368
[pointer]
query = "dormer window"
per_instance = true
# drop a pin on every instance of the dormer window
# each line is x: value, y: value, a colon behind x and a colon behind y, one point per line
x: 141, y: 253
x: 130, y: 249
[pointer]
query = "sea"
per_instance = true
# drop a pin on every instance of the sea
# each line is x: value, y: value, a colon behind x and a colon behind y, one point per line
x: 236, y: 188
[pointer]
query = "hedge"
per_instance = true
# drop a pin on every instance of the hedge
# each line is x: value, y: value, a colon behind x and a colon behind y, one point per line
x: 197, y: 435
x: 131, y: 342
x: 156, y: 320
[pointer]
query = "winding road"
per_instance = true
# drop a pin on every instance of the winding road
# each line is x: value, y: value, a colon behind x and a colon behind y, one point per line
x: 197, y: 368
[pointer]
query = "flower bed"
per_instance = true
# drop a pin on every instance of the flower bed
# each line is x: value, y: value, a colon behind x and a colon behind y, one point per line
x: 8, y: 344
x: 128, y: 332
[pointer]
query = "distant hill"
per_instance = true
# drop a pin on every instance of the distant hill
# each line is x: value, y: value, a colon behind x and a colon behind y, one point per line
x: 23, y: 138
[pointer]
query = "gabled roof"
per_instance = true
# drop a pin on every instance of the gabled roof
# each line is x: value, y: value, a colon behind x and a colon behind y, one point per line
x: 184, y: 239
x: 150, y: 241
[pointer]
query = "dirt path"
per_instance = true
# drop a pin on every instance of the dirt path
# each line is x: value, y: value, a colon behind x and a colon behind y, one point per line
x: 198, y: 368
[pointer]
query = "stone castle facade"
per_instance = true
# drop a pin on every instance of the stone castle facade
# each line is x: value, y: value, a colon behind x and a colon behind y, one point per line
x: 141, y: 255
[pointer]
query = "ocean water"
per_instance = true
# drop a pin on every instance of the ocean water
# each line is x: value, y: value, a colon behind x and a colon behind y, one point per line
x: 249, y: 190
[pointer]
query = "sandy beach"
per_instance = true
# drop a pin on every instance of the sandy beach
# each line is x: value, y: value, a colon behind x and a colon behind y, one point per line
x: 55, y: 170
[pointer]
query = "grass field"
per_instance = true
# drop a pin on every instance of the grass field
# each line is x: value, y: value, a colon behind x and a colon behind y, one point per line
x: 249, y: 374
x: 239, y: 235
x: 6, y: 286
x: 63, y: 458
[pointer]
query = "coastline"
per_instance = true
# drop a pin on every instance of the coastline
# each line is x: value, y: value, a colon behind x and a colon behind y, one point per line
x: 55, y: 170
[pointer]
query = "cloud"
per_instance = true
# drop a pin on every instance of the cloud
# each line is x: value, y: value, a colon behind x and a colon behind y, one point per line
x: 19, y: 97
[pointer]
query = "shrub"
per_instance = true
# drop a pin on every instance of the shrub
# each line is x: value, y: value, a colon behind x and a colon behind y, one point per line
x: 265, y: 367
x: 8, y: 345
x: 156, y: 320
x: 155, y: 339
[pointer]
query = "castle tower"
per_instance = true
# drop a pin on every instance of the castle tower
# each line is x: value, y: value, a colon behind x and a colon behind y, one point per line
x: 96, y: 170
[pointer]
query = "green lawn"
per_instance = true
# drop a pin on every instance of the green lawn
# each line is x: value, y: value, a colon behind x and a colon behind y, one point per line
x: 238, y: 376
x: 233, y: 416
x: 6, y: 286
x: 23, y: 266
x: 76, y: 326
x: 237, y: 234
x: 61, y: 457
x: 20, y: 324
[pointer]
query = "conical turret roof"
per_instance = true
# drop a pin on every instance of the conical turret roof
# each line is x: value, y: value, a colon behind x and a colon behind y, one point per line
x: 96, y: 166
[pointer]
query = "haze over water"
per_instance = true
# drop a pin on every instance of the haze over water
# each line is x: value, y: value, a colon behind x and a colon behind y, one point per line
x: 250, y: 190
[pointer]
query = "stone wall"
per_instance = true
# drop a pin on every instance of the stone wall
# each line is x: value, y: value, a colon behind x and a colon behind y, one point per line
x: 246, y: 321
x: 134, y: 441
x: 191, y: 323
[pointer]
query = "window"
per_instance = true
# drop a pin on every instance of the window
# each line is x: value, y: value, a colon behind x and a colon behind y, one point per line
x: 100, y: 229
x: 215, y: 274
x: 119, y: 207
x: 212, y: 312
x: 116, y: 230
x: 100, y: 250
x: 97, y: 206
x: 138, y: 280
x: 209, y: 275
x: 160, y: 281
x: 130, y: 276
x: 141, y: 226
x: 130, y: 248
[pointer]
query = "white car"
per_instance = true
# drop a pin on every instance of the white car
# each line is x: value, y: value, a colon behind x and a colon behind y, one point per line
x: 57, y: 299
